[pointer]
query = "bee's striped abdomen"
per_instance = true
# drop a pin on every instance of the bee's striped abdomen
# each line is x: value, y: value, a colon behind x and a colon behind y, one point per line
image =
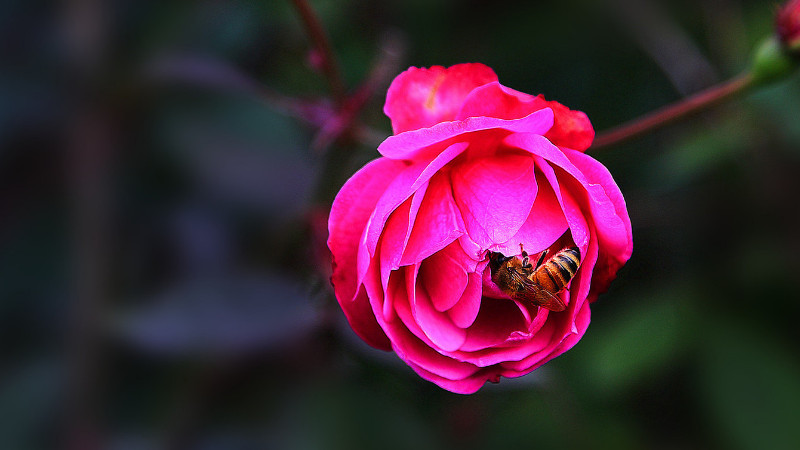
x: 556, y: 273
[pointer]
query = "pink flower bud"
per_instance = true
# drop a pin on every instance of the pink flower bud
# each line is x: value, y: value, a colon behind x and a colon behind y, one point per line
x: 475, y: 170
x: 787, y: 25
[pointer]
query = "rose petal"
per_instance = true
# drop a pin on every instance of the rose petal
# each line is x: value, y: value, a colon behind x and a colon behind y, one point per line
x: 363, y: 311
x: 396, y: 233
x: 610, y: 231
x: 425, y: 143
x: 555, y: 343
x: 495, y: 100
x: 437, y: 223
x: 404, y: 184
x: 436, y: 325
x: 349, y: 214
x: 410, y: 342
x: 571, y: 129
x: 581, y: 286
x: 545, y: 223
x: 359, y: 314
x: 544, y: 149
x: 536, y: 344
x: 466, y: 385
x: 495, y: 196
x: 578, y: 226
x: 613, y: 229
x: 465, y: 311
x: 620, y: 242
x: 496, y: 321
x: 419, y: 97
x: 443, y: 279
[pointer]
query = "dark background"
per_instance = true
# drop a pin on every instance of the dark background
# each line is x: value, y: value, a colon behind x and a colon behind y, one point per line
x: 163, y: 195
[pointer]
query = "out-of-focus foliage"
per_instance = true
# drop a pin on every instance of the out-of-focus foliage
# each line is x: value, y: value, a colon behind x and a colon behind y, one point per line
x: 162, y: 217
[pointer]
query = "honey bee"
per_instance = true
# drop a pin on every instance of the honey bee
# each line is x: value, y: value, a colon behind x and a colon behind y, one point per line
x: 538, y: 284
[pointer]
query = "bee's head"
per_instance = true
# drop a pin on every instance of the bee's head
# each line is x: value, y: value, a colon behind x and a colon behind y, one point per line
x: 496, y: 259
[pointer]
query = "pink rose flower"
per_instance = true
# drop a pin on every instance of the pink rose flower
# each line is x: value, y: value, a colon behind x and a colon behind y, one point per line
x: 473, y: 167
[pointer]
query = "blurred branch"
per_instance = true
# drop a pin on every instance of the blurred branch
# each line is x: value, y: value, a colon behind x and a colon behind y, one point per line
x: 391, y: 50
x: 328, y: 63
x: 89, y: 141
x: 207, y: 73
x: 671, y: 113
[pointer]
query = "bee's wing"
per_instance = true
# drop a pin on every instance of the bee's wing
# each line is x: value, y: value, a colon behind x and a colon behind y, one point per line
x: 541, y: 297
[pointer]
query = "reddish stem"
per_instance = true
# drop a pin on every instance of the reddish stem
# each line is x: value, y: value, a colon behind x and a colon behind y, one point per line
x: 671, y: 113
x: 316, y: 32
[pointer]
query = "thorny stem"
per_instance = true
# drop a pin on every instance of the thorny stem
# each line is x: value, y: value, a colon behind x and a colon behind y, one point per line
x: 671, y: 113
x: 330, y: 68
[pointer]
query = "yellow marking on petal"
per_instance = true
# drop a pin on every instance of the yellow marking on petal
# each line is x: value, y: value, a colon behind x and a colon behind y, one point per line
x: 432, y: 96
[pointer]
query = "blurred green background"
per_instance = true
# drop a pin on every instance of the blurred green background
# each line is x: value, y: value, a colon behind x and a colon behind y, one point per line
x: 162, y: 227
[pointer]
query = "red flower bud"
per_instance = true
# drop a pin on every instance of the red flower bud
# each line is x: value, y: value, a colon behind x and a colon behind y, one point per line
x: 787, y: 25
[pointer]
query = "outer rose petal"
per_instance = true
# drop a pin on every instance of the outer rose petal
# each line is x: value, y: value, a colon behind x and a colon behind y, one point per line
x: 495, y: 100
x: 467, y: 385
x: 622, y: 246
x: 360, y: 316
x: 427, y: 143
x: 571, y: 129
x: 420, y: 97
x: 350, y: 212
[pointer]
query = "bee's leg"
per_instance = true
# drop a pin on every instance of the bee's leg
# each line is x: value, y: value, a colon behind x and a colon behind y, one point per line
x: 541, y: 258
x: 525, y: 261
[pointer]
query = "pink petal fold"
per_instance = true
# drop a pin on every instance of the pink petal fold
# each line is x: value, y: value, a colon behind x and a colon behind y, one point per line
x: 437, y: 224
x: 426, y: 143
x: 436, y: 325
x: 621, y: 244
x: 545, y: 223
x: 396, y: 233
x: 495, y: 196
x: 348, y: 218
x: 412, y: 345
x: 404, y: 184
x: 443, y: 279
x: 495, y: 100
x: 465, y: 311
